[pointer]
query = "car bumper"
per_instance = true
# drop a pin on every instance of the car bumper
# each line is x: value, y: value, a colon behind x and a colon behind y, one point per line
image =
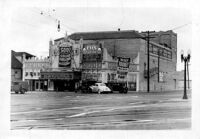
x: 106, y: 91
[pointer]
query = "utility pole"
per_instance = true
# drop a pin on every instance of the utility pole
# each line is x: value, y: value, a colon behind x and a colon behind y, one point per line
x: 148, y: 81
x: 148, y: 58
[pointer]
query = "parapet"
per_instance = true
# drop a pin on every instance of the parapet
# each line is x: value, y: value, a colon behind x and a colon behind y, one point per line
x: 36, y: 59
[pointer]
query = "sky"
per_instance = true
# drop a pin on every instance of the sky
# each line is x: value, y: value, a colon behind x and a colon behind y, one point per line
x: 31, y: 31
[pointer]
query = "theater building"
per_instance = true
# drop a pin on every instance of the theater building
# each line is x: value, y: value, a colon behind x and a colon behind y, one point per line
x: 64, y: 73
x: 100, y: 53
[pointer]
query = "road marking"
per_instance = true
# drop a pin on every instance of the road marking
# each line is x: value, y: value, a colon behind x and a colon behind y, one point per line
x: 32, y: 120
x: 81, y: 114
x: 77, y: 115
x: 106, y: 110
x: 38, y: 108
x: 145, y: 120
x: 58, y: 119
x: 28, y: 112
x: 134, y: 96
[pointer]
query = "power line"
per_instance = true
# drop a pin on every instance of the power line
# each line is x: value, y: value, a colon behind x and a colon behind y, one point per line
x: 48, y: 15
x: 181, y: 26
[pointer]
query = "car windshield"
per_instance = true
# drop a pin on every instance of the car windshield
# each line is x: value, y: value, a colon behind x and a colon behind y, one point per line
x: 102, y: 84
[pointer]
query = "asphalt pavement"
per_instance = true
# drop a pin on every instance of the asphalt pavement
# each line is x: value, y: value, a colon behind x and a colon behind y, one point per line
x: 132, y: 111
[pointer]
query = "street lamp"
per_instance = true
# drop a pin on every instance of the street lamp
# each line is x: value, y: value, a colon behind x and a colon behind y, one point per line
x: 186, y: 59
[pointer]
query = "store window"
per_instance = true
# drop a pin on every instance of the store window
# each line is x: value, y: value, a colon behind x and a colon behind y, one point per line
x: 113, y: 76
x: 108, y: 77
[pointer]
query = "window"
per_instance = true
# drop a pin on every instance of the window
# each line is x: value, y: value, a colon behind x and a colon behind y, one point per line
x: 76, y: 52
x: 113, y: 76
x: 150, y: 48
x: 16, y: 72
x: 169, y: 54
x: 34, y: 73
x: 31, y: 73
x: 161, y: 52
x: 155, y: 49
x: 108, y: 77
x: 165, y: 53
x: 102, y: 84
x: 26, y: 74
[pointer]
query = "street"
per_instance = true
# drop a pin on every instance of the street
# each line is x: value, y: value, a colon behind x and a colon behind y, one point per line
x: 132, y: 111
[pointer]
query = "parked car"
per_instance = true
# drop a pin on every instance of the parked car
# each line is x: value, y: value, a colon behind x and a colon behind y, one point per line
x: 19, y: 86
x: 118, y: 86
x: 100, y: 88
x: 85, y: 86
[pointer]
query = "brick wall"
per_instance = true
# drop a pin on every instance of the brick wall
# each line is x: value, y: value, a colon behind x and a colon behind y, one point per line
x: 123, y: 47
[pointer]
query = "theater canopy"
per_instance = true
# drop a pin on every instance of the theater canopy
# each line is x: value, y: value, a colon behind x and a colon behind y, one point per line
x: 61, y: 75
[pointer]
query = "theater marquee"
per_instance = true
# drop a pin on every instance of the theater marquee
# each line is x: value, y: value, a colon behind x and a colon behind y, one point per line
x: 56, y: 75
x: 92, y: 53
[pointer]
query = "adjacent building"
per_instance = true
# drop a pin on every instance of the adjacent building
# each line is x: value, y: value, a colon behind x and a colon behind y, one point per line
x: 32, y: 69
x: 17, y: 59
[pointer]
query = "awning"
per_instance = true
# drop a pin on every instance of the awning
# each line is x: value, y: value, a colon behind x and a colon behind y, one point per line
x: 61, y: 75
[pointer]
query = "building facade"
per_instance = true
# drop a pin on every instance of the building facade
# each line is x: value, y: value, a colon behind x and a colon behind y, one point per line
x: 64, y: 72
x: 17, y: 59
x: 103, y: 65
x: 32, y: 68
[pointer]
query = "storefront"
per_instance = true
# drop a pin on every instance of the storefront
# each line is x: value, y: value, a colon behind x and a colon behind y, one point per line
x: 61, y: 81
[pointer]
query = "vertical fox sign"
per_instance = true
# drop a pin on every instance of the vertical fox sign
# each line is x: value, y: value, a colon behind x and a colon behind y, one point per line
x: 122, y: 69
x: 65, y: 54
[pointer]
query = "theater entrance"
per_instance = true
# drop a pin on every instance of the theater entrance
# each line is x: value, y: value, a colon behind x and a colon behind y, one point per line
x: 64, y: 85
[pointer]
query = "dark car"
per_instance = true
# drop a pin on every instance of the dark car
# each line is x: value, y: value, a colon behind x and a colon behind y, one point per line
x: 118, y: 86
x: 19, y: 86
x: 85, y: 86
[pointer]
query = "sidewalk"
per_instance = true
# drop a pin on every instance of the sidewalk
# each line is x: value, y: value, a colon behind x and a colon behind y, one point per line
x: 159, y: 92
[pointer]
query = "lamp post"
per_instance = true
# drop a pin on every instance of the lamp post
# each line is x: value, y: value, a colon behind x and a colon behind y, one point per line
x: 186, y: 59
x: 158, y: 65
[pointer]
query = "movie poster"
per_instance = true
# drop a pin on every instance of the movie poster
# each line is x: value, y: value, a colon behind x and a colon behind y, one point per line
x: 65, y: 54
x: 122, y: 68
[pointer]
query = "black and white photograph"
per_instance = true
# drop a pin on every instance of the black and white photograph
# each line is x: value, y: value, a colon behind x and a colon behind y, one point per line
x: 87, y: 68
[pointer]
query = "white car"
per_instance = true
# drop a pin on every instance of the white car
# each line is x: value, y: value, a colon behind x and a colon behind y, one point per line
x: 100, y: 87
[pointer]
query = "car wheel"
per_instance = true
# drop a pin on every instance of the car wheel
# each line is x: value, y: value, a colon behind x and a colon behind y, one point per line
x: 22, y: 91
x: 16, y: 92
